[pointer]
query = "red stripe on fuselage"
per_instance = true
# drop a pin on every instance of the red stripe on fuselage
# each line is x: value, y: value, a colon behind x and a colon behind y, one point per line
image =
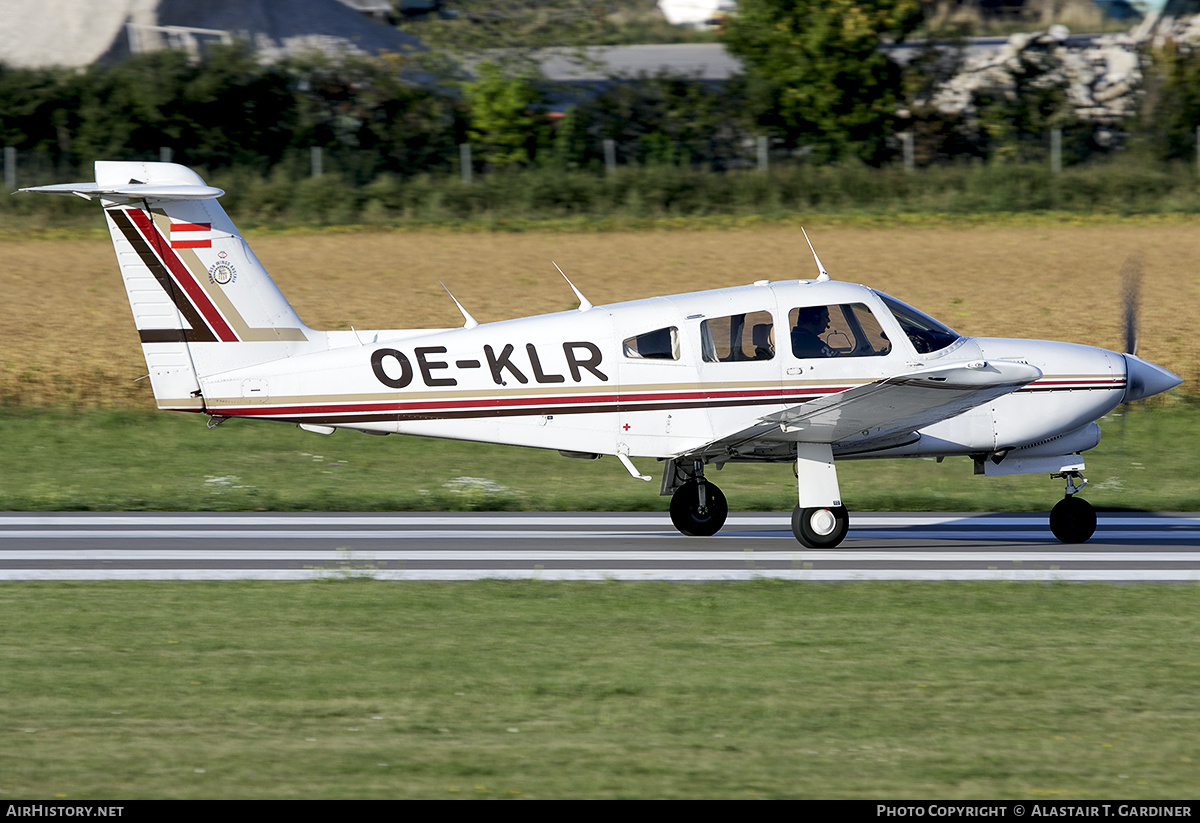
x: 608, y: 403
x: 614, y: 402
x: 182, y: 276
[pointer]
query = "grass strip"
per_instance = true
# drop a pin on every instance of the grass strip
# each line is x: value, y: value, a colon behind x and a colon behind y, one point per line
x: 362, y: 689
x: 132, y: 460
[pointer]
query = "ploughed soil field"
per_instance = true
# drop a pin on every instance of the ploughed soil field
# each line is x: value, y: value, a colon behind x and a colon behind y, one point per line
x: 66, y: 333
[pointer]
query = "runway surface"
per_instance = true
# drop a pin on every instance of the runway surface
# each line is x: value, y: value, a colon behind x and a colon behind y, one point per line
x: 86, y: 546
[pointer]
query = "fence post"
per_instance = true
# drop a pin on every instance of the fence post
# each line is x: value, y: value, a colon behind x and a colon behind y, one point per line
x: 315, y: 162
x: 464, y: 161
x: 906, y: 140
x: 10, y: 168
x: 1055, y: 151
x: 762, y: 153
x: 1197, y: 148
x: 165, y: 154
x: 610, y: 155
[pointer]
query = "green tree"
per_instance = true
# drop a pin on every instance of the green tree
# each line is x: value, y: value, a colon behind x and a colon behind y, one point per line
x: 370, y: 117
x: 1171, y: 108
x: 223, y: 110
x: 826, y: 84
x: 665, y: 118
x: 481, y: 25
x: 503, y: 111
x: 39, y: 110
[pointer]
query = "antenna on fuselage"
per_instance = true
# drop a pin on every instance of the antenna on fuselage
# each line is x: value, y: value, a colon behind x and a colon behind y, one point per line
x: 469, y: 321
x: 584, y: 303
x: 824, y: 275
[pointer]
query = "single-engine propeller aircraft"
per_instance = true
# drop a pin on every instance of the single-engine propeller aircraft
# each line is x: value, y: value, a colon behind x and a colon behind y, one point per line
x: 808, y: 372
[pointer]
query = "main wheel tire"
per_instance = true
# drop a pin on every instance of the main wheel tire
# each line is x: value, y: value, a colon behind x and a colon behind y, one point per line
x: 820, y: 528
x: 686, y: 513
x: 1073, y: 520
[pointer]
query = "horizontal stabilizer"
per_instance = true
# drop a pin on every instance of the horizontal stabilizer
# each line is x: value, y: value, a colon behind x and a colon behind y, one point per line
x: 903, y: 403
x: 134, y: 191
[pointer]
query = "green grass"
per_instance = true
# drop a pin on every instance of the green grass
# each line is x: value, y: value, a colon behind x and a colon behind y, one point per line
x: 362, y: 689
x: 106, y: 460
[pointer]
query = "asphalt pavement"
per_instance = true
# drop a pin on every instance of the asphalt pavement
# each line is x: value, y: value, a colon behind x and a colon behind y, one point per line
x: 598, y: 546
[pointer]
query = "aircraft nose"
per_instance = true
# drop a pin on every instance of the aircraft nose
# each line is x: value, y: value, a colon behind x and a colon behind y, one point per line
x: 1144, y: 379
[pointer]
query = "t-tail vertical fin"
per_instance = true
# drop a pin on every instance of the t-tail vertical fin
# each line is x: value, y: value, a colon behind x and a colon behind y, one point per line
x: 202, y: 302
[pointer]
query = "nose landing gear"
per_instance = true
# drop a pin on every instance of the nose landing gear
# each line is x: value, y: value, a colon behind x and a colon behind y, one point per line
x: 820, y: 528
x: 1073, y: 520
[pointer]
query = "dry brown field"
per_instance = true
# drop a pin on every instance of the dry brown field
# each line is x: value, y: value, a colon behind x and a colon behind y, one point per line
x: 66, y: 334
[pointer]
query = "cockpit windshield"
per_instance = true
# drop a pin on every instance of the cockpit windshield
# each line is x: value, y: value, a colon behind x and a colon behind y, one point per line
x: 927, y: 335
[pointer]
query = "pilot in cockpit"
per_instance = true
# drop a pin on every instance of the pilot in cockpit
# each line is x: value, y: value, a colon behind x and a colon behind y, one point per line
x: 811, y: 322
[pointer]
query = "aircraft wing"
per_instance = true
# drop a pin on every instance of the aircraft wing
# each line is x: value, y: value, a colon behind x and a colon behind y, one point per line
x: 903, y: 403
x: 889, y: 410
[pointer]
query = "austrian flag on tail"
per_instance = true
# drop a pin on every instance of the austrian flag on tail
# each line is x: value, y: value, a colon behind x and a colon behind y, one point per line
x: 191, y: 235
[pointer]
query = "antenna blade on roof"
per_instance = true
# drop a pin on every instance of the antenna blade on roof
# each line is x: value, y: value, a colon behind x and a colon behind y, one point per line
x: 824, y: 275
x: 584, y: 303
x: 469, y: 321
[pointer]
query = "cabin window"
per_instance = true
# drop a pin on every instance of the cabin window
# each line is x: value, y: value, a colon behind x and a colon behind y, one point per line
x: 749, y: 336
x: 846, y: 330
x: 660, y: 344
x: 927, y: 335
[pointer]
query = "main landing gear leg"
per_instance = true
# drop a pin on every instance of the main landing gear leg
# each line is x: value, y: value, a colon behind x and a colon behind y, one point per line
x: 698, y: 508
x: 1073, y: 520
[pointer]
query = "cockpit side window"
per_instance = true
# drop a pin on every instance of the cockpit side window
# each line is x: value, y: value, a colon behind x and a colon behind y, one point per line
x: 660, y: 344
x: 749, y: 336
x: 845, y: 330
x: 927, y: 335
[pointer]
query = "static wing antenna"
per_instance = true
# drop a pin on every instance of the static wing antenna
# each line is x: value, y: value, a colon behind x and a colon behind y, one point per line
x: 824, y: 275
x: 469, y: 322
x: 343, y: 313
x: 584, y: 303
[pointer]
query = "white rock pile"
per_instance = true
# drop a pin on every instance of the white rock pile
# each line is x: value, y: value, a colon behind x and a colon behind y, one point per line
x: 1102, y: 78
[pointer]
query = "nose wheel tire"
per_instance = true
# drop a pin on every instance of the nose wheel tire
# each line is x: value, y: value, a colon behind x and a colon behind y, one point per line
x: 1073, y: 520
x: 692, y: 517
x: 820, y: 528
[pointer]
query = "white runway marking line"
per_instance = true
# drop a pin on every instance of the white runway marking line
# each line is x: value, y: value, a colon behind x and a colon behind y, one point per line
x: 1040, y: 533
x: 667, y: 575
x: 780, y: 520
x: 801, y: 555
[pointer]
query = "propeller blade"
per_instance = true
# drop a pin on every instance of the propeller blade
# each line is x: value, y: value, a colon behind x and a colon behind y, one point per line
x: 1131, y: 296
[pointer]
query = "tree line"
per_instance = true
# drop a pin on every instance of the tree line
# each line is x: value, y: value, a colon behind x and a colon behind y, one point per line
x: 815, y: 84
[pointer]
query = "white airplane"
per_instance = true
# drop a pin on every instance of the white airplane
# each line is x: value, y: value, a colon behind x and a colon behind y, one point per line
x: 804, y: 371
